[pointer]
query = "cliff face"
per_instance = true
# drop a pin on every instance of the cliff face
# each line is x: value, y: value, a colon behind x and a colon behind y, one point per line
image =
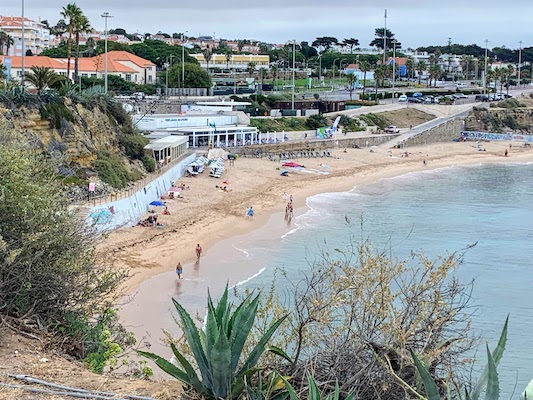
x: 500, y: 120
x: 67, y: 130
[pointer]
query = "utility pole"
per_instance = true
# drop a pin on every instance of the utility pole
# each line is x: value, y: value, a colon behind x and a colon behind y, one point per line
x: 183, y: 60
x: 449, y: 52
x: 23, y: 46
x: 385, y: 41
x: 293, y: 69
x: 105, y: 16
x: 519, y: 62
x: 485, y: 70
x: 393, y: 68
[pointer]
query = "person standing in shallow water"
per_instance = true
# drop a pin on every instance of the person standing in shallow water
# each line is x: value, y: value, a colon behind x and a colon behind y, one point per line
x: 179, y: 270
x: 198, y: 250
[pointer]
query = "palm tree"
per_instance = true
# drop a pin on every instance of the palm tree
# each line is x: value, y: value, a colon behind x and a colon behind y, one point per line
x: 510, y: 72
x: 72, y: 13
x: 207, y: 56
x: 410, y: 66
x: 379, y: 76
x: 364, y: 66
x: 42, y: 77
x: 82, y: 25
x: 421, y: 66
x: 434, y: 73
x: 9, y: 42
x: 351, y: 82
x: 90, y: 46
x: 250, y: 68
x: 274, y: 72
x: 228, y: 58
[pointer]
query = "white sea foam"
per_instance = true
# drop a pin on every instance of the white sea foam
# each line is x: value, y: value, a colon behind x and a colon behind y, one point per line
x: 249, y: 279
x: 290, y: 232
x: 243, y: 251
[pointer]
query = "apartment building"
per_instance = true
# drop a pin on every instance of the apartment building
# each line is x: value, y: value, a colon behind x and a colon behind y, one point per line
x: 37, y: 37
x: 236, y: 62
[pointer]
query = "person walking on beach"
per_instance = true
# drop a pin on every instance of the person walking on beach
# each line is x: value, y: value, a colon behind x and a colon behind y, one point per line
x: 198, y: 250
x: 506, y: 153
x: 250, y: 213
x: 179, y: 270
x: 290, y: 199
x: 284, y: 197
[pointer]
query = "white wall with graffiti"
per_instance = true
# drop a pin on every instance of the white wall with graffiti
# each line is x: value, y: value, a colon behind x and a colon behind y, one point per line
x: 128, y: 211
x: 496, y: 136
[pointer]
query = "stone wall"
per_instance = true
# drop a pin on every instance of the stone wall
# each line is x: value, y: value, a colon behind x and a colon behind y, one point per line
x: 445, y: 132
x: 500, y: 120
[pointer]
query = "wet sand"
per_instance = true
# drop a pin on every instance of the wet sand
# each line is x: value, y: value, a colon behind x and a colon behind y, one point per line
x: 215, y: 219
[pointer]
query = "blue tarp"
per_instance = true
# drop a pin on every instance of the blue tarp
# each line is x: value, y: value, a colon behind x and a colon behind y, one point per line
x: 157, y: 203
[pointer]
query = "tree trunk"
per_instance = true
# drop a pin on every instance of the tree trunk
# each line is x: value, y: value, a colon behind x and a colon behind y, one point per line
x: 77, y: 57
x: 69, y: 49
x: 364, y: 83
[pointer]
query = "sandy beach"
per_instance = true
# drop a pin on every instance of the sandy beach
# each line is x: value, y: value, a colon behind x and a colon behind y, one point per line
x: 207, y: 215
x: 216, y: 219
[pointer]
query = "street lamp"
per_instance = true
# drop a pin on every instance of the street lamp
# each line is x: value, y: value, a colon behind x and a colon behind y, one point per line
x: 167, y: 66
x: 519, y: 62
x: 320, y: 69
x: 485, y: 70
x: 183, y: 59
x: 105, y: 16
x: 333, y: 73
x: 393, y: 68
x: 23, y: 46
x: 293, y: 70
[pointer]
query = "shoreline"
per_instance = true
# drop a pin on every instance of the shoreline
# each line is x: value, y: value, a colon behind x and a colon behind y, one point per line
x: 147, y: 310
x: 134, y: 251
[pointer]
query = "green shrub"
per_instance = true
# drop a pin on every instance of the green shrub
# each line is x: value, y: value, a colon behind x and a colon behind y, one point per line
x: 134, y: 145
x: 112, y: 171
x: 316, y: 121
x: 350, y: 124
x: 375, y: 119
x: 149, y: 163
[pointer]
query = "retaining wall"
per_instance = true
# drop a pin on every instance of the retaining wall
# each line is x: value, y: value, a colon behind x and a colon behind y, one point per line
x: 128, y: 211
x: 445, y: 132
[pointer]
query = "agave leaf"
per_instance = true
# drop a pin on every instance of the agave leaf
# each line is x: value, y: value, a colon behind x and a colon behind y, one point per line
x: 168, y: 367
x: 290, y: 389
x: 528, y: 392
x: 429, y: 384
x: 239, y: 384
x: 259, y: 348
x: 211, y: 328
x: 493, y: 384
x: 496, y: 356
x: 314, y: 392
x: 222, y: 305
x: 195, y: 344
x: 244, y: 320
x: 220, y: 362
x: 189, y: 370
x: 277, y: 351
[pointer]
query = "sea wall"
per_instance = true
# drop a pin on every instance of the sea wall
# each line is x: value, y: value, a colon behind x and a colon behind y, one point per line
x: 129, y: 210
x: 445, y: 132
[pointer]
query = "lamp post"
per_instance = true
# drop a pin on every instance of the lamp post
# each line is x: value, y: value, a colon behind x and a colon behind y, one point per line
x: 519, y: 62
x: 183, y: 59
x: 385, y: 40
x: 293, y: 69
x: 485, y: 70
x: 333, y: 74
x: 105, y: 16
x: 23, y: 47
x: 167, y: 66
x: 393, y: 69
x: 320, y: 69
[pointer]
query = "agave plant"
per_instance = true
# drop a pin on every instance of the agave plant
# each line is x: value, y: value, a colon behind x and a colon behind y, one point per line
x: 488, y: 382
x: 217, y: 350
x: 314, y: 392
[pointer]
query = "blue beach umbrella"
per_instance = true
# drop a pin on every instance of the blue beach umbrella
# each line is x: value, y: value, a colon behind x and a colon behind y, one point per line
x: 157, y: 203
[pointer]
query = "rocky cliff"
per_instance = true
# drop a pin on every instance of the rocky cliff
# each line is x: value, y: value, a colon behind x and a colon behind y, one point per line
x: 72, y: 133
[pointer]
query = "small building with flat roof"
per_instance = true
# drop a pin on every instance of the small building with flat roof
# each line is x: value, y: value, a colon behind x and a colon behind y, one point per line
x: 167, y: 149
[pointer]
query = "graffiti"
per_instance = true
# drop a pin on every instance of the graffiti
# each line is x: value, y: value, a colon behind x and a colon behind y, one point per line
x: 496, y: 136
x: 102, y: 216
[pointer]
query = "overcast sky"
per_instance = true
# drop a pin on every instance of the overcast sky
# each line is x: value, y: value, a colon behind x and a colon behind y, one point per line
x: 415, y: 22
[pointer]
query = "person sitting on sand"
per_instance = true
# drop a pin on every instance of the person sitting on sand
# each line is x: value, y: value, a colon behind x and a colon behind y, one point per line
x: 166, y: 211
x: 179, y: 270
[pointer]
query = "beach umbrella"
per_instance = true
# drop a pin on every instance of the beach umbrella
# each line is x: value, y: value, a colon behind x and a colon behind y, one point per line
x: 157, y: 203
x: 174, y: 189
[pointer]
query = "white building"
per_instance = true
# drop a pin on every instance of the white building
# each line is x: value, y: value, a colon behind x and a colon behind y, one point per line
x: 37, y: 37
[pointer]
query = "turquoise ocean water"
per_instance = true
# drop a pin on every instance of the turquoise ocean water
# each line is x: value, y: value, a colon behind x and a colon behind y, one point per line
x: 434, y: 211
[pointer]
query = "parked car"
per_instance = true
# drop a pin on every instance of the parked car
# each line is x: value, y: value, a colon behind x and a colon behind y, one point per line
x: 138, y: 96
x: 402, y: 98
x: 460, y: 96
x: 414, y: 100
x: 392, y: 129
x: 417, y: 94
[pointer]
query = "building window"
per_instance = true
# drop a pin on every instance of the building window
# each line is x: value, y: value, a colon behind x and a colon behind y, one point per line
x: 93, y: 75
x: 128, y: 77
x: 149, y: 78
x: 19, y: 73
x: 84, y: 75
x: 63, y: 73
x: 149, y: 68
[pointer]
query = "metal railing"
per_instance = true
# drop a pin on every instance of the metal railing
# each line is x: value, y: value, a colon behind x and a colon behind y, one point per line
x: 133, y: 187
